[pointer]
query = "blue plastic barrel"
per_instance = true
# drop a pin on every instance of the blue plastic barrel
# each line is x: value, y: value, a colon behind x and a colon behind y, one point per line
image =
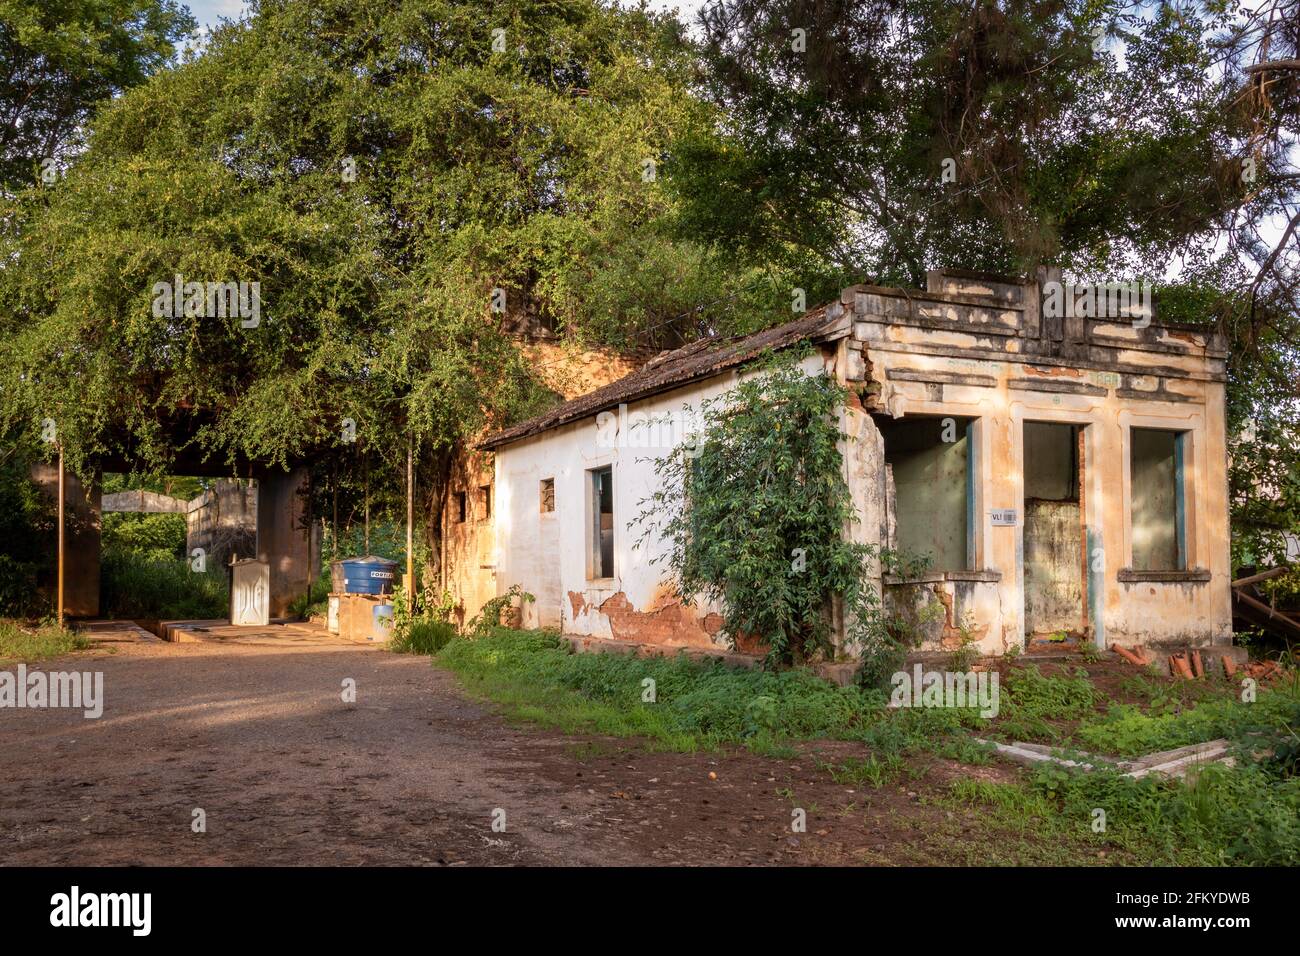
x: 369, y: 575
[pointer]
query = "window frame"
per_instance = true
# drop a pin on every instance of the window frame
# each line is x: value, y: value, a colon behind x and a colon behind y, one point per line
x: 594, y: 551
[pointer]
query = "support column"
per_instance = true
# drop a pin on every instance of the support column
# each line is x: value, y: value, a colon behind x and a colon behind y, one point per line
x: 81, y: 561
x: 284, y: 536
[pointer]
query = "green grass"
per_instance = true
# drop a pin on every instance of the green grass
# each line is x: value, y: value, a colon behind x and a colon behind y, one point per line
x: 423, y: 637
x: 1030, y: 700
x: 24, y: 642
x: 695, y: 706
x: 139, y: 586
x: 1249, y: 814
x: 1127, y: 731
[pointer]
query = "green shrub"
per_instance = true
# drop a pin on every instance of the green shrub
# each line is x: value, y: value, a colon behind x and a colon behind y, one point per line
x: 158, y: 536
x: 423, y: 637
x: 18, y: 594
x: 754, y: 511
x: 27, y: 530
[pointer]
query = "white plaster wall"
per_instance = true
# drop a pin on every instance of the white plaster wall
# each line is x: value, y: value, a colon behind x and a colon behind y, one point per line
x: 568, y: 454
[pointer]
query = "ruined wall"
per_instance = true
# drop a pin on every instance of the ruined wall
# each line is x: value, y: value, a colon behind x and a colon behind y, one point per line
x: 982, y: 349
x: 223, y: 521
x: 469, y: 557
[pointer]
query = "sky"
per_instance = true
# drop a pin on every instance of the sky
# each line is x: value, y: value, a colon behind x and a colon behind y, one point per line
x: 208, y: 12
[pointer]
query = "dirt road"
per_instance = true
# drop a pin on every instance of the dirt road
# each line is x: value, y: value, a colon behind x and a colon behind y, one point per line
x: 414, y: 772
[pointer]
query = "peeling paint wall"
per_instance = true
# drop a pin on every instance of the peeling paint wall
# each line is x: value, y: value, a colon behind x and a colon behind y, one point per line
x: 636, y: 604
x: 980, y: 348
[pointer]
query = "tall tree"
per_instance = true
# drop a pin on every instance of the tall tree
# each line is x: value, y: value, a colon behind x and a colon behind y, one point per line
x: 410, y: 183
x: 880, y: 138
x: 60, y: 59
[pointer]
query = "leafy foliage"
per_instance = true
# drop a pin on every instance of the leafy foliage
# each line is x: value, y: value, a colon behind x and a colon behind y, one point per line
x: 489, y: 617
x: 155, y: 535
x: 148, y: 586
x: 383, y: 172
x: 27, y: 523
x: 754, y: 511
x: 63, y: 58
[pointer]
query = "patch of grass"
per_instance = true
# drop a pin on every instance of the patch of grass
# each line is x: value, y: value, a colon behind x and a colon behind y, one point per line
x: 765, y: 745
x: 1126, y: 731
x: 1031, y: 700
x: 143, y: 587
x: 1016, y: 803
x: 869, y: 771
x: 679, y: 704
x: 1164, y: 696
x: 23, y: 642
x: 1242, y: 815
x: 423, y: 637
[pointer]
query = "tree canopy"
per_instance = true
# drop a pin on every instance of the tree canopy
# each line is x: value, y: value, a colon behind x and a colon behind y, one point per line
x: 401, y: 188
x: 407, y: 183
x: 60, y: 59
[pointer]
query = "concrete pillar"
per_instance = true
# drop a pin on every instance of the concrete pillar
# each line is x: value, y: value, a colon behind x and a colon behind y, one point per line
x: 284, y: 536
x: 81, y: 546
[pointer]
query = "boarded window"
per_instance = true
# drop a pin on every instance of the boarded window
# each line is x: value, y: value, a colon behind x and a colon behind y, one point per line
x: 929, y: 464
x: 485, y: 501
x: 458, y: 506
x: 1156, y: 499
x: 602, y: 523
x: 548, y: 495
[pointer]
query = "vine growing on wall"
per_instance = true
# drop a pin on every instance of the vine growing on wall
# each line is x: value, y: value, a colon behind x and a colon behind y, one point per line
x: 754, y: 513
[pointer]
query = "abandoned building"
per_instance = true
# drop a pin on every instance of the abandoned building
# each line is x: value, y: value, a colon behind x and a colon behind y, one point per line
x: 1061, y: 474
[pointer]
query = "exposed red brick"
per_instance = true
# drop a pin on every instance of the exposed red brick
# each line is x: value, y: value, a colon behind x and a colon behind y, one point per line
x: 674, y: 624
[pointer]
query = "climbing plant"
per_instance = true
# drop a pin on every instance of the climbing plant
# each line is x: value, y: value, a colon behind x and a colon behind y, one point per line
x: 754, y: 513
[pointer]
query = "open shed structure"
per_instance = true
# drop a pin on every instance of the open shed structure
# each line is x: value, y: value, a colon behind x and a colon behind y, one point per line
x: 1063, y: 473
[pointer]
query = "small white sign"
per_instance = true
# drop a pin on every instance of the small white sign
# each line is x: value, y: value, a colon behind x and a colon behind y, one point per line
x: 1004, y: 516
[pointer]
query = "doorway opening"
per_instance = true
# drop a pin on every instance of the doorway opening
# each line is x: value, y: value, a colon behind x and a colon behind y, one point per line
x: 1055, y: 553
